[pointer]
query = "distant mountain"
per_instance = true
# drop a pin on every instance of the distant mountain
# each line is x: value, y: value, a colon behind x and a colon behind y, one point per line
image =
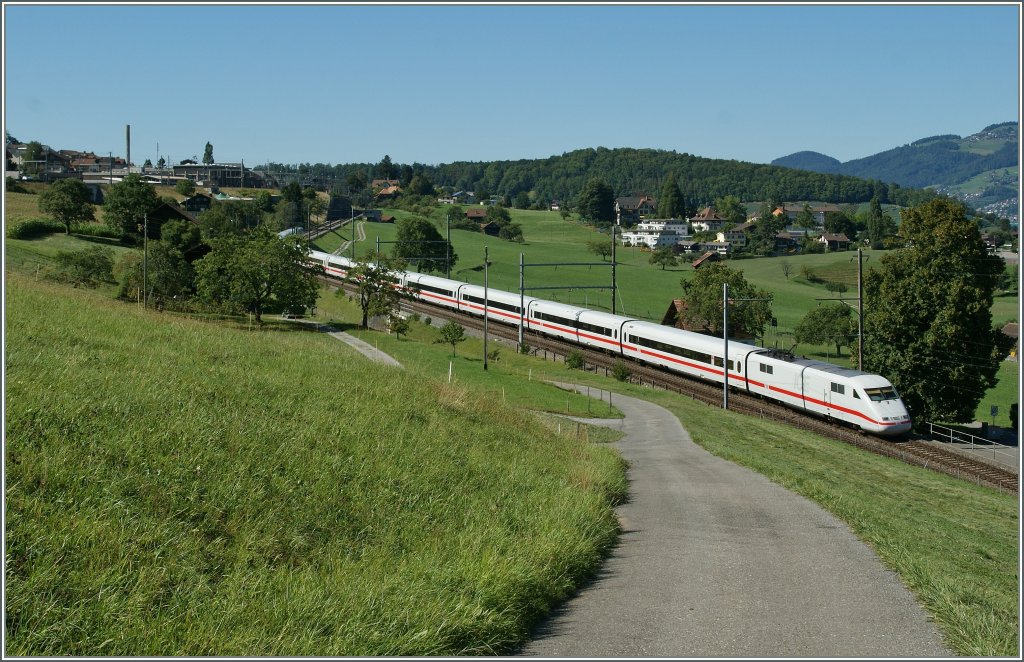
x: 936, y: 161
x: 813, y: 161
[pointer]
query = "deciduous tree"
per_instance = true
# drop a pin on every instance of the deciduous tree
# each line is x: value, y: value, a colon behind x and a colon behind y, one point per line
x: 703, y: 296
x: 600, y: 246
x: 451, y: 334
x: 419, y: 242
x: 67, y: 201
x: 664, y: 256
x: 827, y: 324
x: 256, y: 271
x: 928, y: 321
x: 375, y: 280
x: 127, y: 203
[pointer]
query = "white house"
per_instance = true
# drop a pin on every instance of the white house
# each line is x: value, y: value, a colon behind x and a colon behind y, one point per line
x: 657, y: 233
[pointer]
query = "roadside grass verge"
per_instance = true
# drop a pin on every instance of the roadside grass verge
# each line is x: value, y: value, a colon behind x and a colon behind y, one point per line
x: 955, y: 545
x: 176, y: 487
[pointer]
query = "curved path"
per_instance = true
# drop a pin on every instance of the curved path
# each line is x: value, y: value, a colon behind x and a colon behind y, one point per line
x: 364, y: 348
x: 717, y: 561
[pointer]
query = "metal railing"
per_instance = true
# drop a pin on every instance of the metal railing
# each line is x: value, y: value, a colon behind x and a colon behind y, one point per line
x: 980, y: 446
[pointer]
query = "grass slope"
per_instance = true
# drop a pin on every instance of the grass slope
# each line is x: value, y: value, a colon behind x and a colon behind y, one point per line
x: 181, y: 488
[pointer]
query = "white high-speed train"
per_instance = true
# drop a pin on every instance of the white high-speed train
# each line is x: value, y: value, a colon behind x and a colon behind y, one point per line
x: 865, y: 401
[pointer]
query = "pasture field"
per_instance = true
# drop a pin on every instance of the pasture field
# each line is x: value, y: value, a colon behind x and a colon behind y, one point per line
x: 184, y: 488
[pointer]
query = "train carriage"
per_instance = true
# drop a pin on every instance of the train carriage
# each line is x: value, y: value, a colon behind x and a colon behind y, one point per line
x: 554, y: 319
x: 432, y: 289
x: 690, y: 353
x: 601, y: 330
x: 501, y: 306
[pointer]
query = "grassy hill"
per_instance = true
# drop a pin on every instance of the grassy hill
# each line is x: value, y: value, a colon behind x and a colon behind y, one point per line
x: 181, y: 488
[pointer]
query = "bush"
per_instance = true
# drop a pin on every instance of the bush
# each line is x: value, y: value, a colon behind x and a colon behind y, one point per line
x: 13, y: 186
x: 414, y: 317
x: 493, y: 355
x: 88, y: 267
x: 621, y: 371
x: 95, y: 230
x: 426, y: 321
x: 34, y: 227
x: 574, y: 360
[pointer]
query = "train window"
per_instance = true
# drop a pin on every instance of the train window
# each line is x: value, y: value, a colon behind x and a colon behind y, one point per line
x: 767, y: 369
x: 838, y: 388
x: 491, y: 303
x: 855, y: 394
x: 881, y: 394
x: 583, y: 326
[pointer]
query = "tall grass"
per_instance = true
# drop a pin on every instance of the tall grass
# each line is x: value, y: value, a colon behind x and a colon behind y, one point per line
x: 178, y: 488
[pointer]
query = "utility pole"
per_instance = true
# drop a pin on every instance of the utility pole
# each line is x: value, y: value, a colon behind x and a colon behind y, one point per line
x: 485, y: 307
x: 448, y: 248
x: 613, y: 270
x: 522, y: 301
x: 145, y: 260
x: 860, y: 310
x: 725, y: 343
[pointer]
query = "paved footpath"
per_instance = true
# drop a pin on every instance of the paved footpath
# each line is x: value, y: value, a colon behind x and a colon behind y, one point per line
x: 717, y: 561
x: 364, y: 348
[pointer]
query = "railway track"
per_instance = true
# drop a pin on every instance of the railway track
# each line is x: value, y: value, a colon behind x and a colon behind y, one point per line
x: 913, y: 450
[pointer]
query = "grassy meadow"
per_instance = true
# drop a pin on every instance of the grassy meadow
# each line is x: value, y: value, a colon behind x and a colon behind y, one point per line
x: 176, y: 487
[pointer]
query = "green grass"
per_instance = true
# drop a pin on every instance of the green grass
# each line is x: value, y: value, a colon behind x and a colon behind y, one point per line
x: 184, y: 488
x: 1004, y: 394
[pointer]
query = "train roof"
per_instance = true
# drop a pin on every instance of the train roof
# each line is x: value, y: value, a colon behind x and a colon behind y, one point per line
x: 696, y: 341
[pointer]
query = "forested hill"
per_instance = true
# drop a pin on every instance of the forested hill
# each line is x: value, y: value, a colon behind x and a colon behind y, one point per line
x: 935, y: 161
x: 643, y: 171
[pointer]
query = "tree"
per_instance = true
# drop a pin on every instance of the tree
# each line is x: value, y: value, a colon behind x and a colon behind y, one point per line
x: 385, y: 169
x: 664, y: 256
x: 417, y: 240
x: 451, y: 334
x: 600, y: 246
x: 421, y: 185
x: 185, y: 187
x: 255, y: 272
x: 34, y: 153
x: 703, y: 295
x: 732, y: 209
x: 670, y: 202
x: 126, y: 204
x: 67, y: 201
x: 827, y: 324
x: 805, y: 219
x: 880, y: 225
x: 511, y: 232
x: 596, y: 203
x: 148, y: 164
x: 161, y: 162
x: 928, y: 321
x: 229, y: 217
x: 356, y: 181
x: 399, y: 325
x: 521, y: 200
x: 375, y: 282
x: 787, y: 268
x: 208, y: 154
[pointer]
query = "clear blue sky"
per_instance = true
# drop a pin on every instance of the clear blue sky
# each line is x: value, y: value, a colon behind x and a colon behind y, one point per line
x: 436, y: 84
